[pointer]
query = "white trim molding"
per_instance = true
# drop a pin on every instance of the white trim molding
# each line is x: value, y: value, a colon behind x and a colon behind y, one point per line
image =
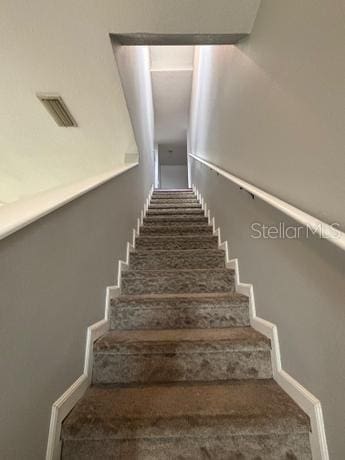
x: 17, y: 215
x: 315, y: 225
x: 303, y: 398
x: 63, y: 405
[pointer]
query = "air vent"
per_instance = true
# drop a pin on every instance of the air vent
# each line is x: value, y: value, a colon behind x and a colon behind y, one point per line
x: 57, y: 109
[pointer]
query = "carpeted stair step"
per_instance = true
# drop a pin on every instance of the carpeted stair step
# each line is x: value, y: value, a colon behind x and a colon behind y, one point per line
x: 163, y: 199
x: 250, y: 419
x: 179, y: 311
x: 172, y: 190
x: 181, y: 355
x: 176, y: 229
x: 151, y: 242
x: 181, y: 204
x: 175, y: 211
x: 176, y: 259
x: 180, y: 222
x: 168, y: 220
x: 177, y: 281
x: 174, y: 196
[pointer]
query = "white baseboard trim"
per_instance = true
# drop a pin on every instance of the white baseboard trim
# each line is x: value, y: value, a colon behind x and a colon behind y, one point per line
x: 62, y: 406
x: 303, y: 398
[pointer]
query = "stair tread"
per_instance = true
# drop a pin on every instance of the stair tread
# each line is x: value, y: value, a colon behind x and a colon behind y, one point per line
x: 175, y: 212
x: 157, y: 259
x: 165, y: 206
x: 226, y: 296
x: 186, y: 219
x: 238, y: 337
x: 190, y: 236
x: 174, y: 223
x: 172, y: 272
x: 173, y: 217
x: 180, y: 409
x: 184, y: 228
x: 190, y: 224
x: 176, y: 199
x: 138, y: 281
x: 184, y: 252
x: 176, y: 196
x: 174, y: 190
x: 165, y: 311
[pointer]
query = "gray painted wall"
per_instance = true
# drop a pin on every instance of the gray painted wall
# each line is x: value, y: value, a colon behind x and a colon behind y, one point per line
x: 271, y: 109
x: 53, y: 278
x: 173, y: 176
x: 298, y: 285
x: 172, y: 154
x: 173, y: 166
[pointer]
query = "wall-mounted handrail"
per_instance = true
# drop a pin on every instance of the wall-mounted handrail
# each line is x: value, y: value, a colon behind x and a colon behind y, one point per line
x: 14, y: 216
x: 316, y: 226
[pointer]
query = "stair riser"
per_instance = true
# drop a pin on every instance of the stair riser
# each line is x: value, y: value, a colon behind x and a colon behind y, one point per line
x: 174, y: 196
x: 181, y: 282
x: 173, y: 190
x: 175, y: 205
x: 170, y: 365
x: 181, y: 223
x: 174, y: 201
x: 175, y: 229
x: 180, y: 446
x: 175, y: 220
x: 168, y: 260
x: 165, y: 317
x: 175, y: 212
x: 171, y: 243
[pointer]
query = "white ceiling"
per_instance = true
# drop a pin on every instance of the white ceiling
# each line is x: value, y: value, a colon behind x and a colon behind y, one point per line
x: 63, y: 46
x: 171, y: 57
x: 171, y: 71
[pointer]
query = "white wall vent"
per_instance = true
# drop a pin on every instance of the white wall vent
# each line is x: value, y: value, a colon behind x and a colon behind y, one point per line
x: 57, y: 109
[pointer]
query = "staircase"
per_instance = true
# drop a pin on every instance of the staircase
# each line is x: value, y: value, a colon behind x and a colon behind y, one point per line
x: 181, y: 374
